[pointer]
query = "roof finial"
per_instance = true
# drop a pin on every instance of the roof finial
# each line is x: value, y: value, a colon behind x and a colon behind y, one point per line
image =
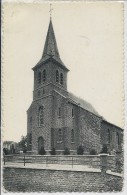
x: 50, y: 11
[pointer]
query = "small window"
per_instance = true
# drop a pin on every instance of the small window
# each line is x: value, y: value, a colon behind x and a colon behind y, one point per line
x: 43, y: 91
x: 72, y: 135
x: 39, y: 93
x: 60, y: 135
x: 30, y: 137
x: 31, y: 120
x: 72, y: 112
x: 41, y: 116
x: 44, y: 75
x: 39, y: 77
x: 61, y: 78
x: 59, y: 112
x: 109, y: 138
x: 118, y: 138
x: 57, y: 76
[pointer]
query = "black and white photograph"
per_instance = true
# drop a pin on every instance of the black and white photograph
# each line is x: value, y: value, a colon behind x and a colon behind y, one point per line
x: 63, y: 96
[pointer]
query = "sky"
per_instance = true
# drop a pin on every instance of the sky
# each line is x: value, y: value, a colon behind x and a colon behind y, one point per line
x: 90, y: 42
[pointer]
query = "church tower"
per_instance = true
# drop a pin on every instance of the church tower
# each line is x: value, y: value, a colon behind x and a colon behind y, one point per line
x: 50, y: 79
x: 50, y: 72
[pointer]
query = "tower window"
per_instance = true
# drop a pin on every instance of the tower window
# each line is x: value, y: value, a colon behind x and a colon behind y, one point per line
x: 72, y: 135
x: 44, y: 75
x: 60, y: 135
x: 43, y: 90
x: 41, y: 116
x: 39, y: 93
x: 57, y: 76
x: 59, y: 112
x: 39, y: 77
x: 61, y: 78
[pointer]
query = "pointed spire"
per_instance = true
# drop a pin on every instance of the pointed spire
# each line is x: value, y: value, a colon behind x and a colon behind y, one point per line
x: 50, y: 48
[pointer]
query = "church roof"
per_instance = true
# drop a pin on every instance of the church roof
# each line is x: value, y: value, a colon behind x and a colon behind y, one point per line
x: 82, y: 103
x: 50, y: 51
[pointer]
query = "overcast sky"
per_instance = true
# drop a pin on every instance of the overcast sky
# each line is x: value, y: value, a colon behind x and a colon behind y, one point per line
x: 90, y: 42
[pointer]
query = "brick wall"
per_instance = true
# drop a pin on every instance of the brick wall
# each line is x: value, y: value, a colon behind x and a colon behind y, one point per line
x: 90, y: 128
x: 35, y: 180
x: 109, y: 137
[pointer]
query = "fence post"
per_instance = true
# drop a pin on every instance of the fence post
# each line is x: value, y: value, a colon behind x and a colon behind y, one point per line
x: 24, y: 160
x: 4, y: 159
x: 46, y: 161
x: 72, y: 161
x: 103, y: 163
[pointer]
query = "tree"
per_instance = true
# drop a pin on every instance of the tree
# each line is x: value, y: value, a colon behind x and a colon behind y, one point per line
x: 23, y: 144
x: 66, y: 151
x: 53, y: 151
x: 104, y: 149
x: 93, y: 152
x: 5, y: 151
x: 42, y: 151
x: 80, y: 150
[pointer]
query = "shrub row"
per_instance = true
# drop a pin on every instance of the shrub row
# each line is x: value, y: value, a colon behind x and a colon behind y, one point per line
x: 80, y: 151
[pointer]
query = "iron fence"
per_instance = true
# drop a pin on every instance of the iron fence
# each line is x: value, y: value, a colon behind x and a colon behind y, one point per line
x: 105, y: 162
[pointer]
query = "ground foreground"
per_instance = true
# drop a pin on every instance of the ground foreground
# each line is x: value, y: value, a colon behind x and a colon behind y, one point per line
x: 59, y: 178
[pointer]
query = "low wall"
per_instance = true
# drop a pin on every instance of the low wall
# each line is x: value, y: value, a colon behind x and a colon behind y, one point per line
x: 95, y: 161
x: 36, y: 180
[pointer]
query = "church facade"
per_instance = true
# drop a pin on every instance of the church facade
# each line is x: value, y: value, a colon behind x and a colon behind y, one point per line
x: 57, y: 118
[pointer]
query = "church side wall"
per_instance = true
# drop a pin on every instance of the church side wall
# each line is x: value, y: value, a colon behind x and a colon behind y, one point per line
x: 89, y: 128
x: 109, y: 137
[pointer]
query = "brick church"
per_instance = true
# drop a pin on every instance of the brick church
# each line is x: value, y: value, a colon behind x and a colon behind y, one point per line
x: 57, y: 118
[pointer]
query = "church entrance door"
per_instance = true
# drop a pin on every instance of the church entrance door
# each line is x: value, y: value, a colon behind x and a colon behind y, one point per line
x: 40, y: 144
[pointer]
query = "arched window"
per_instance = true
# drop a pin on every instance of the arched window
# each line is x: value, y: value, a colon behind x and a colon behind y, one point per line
x: 57, y: 76
x: 109, y: 138
x: 44, y: 75
x: 39, y: 77
x: 118, y: 138
x: 72, y: 135
x: 59, y: 112
x: 43, y: 91
x: 61, y: 78
x: 30, y: 138
x: 72, y: 112
x: 60, y: 135
x: 41, y: 116
x: 39, y: 93
x: 31, y: 120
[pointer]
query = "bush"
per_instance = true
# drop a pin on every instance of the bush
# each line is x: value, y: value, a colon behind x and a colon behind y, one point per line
x: 5, y: 151
x: 66, y: 151
x: 80, y: 150
x: 42, y: 151
x: 53, y: 151
x: 93, y: 152
x: 104, y: 149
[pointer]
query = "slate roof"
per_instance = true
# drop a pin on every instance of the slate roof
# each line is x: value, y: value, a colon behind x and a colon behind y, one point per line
x: 50, y: 51
x: 82, y: 103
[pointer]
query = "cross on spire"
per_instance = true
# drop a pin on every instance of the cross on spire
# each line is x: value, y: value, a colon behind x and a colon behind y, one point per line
x: 50, y: 10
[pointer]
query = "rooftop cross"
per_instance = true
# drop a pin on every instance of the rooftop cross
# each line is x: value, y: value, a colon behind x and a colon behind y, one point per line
x: 50, y: 10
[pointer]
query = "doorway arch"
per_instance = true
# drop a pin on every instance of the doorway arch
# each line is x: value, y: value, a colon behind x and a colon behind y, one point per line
x: 40, y: 144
